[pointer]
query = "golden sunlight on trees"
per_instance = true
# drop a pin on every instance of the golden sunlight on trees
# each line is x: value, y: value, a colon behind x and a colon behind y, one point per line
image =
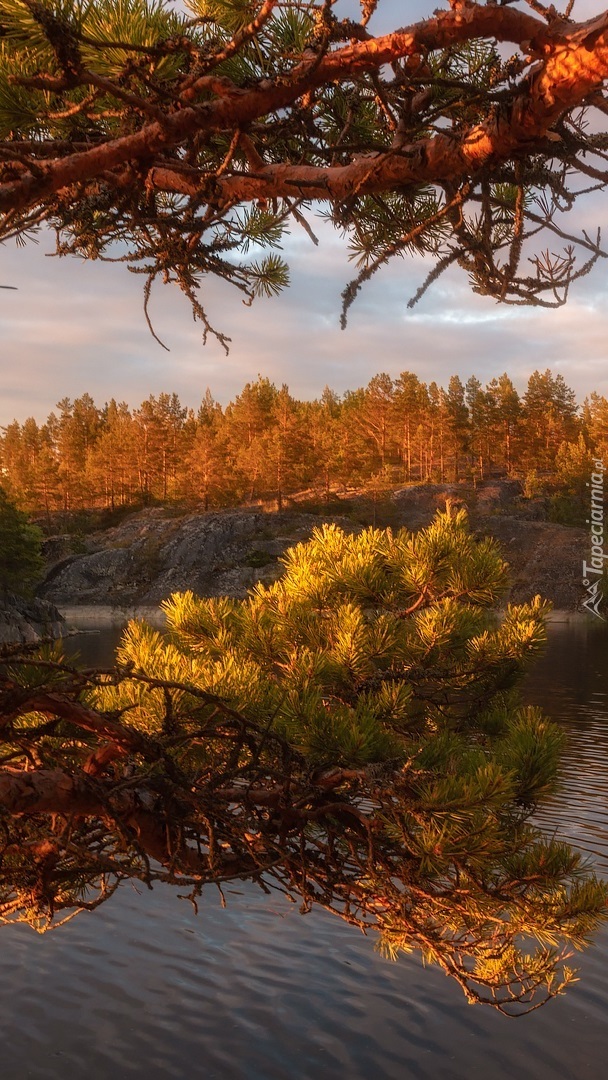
x: 267, y: 445
x: 350, y: 736
x: 186, y: 145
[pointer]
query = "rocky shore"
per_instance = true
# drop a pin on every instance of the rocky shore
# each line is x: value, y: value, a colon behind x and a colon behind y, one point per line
x: 28, y: 621
x: 153, y: 552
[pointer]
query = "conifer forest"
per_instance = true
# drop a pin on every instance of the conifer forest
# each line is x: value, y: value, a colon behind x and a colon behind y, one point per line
x: 354, y: 734
x: 266, y: 445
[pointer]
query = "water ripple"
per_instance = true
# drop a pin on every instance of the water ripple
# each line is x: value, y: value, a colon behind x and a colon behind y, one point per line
x: 144, y: 989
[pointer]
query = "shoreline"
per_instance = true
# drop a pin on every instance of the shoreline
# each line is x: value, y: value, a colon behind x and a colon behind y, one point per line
x: 90, y: 617
x: 567, y: 616
x: 85, y: 617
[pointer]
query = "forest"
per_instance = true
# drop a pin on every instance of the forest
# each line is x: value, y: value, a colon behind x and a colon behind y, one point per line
x: 351, y: 735
x: 266, y: 444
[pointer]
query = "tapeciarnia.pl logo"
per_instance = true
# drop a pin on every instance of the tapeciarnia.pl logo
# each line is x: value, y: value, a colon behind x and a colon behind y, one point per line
x: 593, y: 570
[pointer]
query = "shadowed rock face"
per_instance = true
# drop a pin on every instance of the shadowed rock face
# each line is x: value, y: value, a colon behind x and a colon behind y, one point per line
x: 28, y: 620
x: 153, y: 553
x: 151, y: 556
x: 544, y: 558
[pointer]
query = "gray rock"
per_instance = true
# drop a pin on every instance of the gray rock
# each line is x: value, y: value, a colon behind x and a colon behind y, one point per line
x: 152, y: 556
x: 154, y: 553
x: 26, y: 621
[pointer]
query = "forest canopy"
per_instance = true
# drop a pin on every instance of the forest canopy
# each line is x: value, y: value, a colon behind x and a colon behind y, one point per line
x: 185, y: 143
x: 266, y: 444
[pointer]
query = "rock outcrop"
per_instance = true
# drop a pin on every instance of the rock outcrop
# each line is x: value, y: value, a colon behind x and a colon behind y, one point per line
x: 28, y: 620
x: 154, y: 553
x: 544, y: 558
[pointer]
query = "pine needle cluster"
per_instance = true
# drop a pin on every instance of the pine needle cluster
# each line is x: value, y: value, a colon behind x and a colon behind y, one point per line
x: 351, y: 736
x: 379, y: 662
x: 183, y: 143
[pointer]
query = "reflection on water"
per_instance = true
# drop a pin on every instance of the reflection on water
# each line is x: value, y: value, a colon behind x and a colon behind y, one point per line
x: 571, y: 684
x: 144, y: 988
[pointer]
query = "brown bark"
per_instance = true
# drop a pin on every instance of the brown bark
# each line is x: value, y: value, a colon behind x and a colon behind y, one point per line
x: 573, y: 62
x: 96, y: 723
x: 570, y: 73
x: 49, y: 791
x: 57, y: 792
x: 52, y: 792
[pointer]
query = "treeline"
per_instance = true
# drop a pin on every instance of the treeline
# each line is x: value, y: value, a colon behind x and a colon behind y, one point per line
x: 266, y: 444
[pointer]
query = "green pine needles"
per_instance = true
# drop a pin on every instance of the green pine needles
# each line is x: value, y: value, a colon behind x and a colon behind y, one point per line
x: 21, y: 561
x: 393, y: 764
x: 351, y: 736
x: 175, y: 140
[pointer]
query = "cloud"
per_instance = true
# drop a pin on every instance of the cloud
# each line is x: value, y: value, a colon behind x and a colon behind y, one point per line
x: 76, y: 327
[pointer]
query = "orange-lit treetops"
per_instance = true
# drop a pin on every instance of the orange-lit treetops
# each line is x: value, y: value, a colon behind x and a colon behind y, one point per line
x: 268, y: 444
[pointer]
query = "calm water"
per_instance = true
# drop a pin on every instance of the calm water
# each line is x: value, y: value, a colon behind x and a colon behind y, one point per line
x: 144, y: 988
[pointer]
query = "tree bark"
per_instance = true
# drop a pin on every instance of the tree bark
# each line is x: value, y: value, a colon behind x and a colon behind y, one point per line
x: 573, y: 61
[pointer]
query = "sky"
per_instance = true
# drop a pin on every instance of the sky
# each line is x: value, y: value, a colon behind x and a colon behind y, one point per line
x: 74, y: 327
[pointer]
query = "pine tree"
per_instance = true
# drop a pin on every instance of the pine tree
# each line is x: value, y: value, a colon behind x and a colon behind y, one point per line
x: 409, y: 413
x: 481, y: 424
x: 350, y: 735
x: 283, y: 448
x: 327, y: 452
x: 458, y: 422
x: 74, y: 433
x: 507, y: 408
x: 112, y: 460
x: 158, y: 426
x: 248, y: 425
x: 206, y: 477
x: 549, y: 414
x: 20, y: 554
x: 267, y: 445
x: 595, y: 421
x: 569, y: 503
x: 193, y: 138
x: 375, y: 417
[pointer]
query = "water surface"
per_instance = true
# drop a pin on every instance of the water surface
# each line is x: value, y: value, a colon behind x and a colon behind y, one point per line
x: 145, y: 988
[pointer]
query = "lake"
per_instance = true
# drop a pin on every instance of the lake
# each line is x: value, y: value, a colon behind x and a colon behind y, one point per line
x: 145, y: 988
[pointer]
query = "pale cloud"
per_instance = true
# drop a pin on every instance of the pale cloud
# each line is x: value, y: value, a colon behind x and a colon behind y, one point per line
x: 76, y: 327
